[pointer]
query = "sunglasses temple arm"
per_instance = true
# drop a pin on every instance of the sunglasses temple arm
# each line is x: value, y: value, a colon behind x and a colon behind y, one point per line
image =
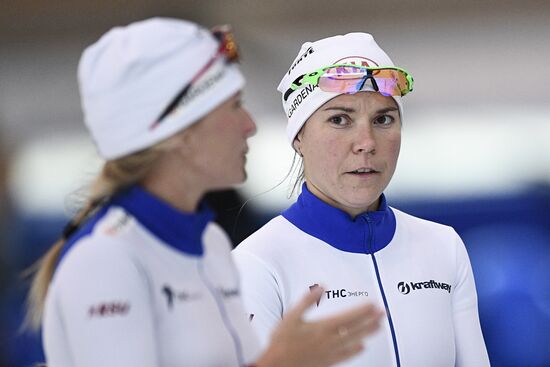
x: 294, y: 86
x: 287, y: 94
x: 184, y: 91
x: 175, y: 101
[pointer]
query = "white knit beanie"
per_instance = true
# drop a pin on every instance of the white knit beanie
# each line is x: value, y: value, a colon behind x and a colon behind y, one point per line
x: 130, y: 75
x: 352, y: 48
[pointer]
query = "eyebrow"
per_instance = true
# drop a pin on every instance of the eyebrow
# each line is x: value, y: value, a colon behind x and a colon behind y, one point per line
x: 352, y: 110
x: 338, y: 108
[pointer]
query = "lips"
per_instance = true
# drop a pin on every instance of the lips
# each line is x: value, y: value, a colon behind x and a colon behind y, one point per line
x: 363, y: 171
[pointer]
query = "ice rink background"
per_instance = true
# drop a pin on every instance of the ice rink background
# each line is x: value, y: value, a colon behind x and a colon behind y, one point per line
x: 476, y: 135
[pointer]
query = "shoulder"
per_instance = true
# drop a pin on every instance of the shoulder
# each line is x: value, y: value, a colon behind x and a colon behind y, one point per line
x: 412, y: 224
x: 110, y: 248
x: 215, y: 239
x: 214, y: 234
x: 272, y: 237
x: 427, y: 236
x: 268, y: 247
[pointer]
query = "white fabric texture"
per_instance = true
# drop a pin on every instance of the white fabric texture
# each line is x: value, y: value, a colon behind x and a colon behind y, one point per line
x: 355, y: 48
x: 107, y: 304
x: 132, y: 73
x: 434, y: 328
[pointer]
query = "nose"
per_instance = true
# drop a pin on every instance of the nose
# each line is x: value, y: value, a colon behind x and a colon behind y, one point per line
x: 249, y: 124
x: 364, y: 141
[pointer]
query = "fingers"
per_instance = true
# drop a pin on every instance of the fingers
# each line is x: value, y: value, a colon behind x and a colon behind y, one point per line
x: 347, y: 352
x: 348, y: 330
x: 347, y: 339
x: 306, y: 302
x: 326, y: 341
x: 355, y: 316
x: 362, y: 329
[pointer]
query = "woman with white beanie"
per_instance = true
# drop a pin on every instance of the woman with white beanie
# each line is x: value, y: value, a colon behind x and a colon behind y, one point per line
x: 142, y: 276
x: 343, y: 99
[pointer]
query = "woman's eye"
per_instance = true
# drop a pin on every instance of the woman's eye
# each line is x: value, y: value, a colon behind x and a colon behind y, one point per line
x: 339, y: 120
x: 384, y: 120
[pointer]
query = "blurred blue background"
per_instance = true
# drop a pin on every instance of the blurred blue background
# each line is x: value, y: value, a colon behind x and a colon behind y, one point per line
x: 475, y: 151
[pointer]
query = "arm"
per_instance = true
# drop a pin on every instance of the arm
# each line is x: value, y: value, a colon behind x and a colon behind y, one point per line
x: 470, y: 346
x: 103, y: 307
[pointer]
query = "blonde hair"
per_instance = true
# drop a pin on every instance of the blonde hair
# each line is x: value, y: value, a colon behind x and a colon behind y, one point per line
x: 297, y: 165
x: 115, y: 176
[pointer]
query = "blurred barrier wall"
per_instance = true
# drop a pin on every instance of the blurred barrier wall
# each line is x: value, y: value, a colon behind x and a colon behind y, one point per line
x: 475, y: 149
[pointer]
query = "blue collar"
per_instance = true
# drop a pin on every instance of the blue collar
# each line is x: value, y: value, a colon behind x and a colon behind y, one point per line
x: 182, y: 231
x: 178, y: 229
x: 369, y: 232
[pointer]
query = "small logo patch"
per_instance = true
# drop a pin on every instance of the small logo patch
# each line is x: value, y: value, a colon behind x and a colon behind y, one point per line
x: 356, y: 60
x: 339, y: 293
x: 180, y: 296
x: 106, y: 309
x: 404, y: 288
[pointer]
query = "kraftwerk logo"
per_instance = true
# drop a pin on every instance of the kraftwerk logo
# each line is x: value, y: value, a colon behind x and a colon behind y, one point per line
x: 407, y: 287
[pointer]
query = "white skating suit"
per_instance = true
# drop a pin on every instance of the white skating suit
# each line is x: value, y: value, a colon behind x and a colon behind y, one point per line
x: 143, y: 284
x: 418, y: 271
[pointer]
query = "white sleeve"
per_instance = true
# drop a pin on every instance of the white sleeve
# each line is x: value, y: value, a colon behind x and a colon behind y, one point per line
x: 261, y: 294
x: 470, y: 346
x: 101, y: 303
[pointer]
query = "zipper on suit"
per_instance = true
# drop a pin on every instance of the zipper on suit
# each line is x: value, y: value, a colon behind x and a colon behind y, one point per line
x: 370, y: 249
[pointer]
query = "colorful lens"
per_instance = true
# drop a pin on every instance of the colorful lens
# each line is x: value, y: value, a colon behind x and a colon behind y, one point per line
x: 228, y: 46
x: 344, y: 79
x: 350, y: 79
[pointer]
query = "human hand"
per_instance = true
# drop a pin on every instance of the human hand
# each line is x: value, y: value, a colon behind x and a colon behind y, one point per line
x: 299, y: 343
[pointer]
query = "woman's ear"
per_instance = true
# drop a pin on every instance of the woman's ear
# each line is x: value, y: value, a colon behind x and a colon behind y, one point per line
x: 179, y: 142
x: 297, y: 144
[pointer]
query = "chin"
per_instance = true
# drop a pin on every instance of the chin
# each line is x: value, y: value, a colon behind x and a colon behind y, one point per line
x: 364, y: 202
x: 236, y: 180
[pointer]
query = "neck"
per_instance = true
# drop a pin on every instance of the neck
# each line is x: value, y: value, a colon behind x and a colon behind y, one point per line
x: 175, y: 185
x: 183, y: 197
x: 352, y: 211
